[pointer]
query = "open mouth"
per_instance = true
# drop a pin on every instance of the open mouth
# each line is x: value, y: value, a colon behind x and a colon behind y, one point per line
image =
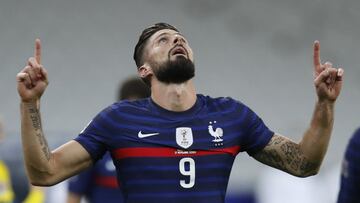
x: 179, y: 50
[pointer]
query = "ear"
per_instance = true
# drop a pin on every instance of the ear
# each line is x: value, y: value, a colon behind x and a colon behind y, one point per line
x: 144, y: 71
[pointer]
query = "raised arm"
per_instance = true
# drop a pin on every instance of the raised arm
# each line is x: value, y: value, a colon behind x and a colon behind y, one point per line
x: 43, y: 167
x: 304, y: 158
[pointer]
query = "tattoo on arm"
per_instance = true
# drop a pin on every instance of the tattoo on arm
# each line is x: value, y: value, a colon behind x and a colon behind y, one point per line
x: 286, y: 155
x: 36, y: 123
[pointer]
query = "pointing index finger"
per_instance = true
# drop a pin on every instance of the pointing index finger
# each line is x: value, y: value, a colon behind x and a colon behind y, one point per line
x: 317, y: 61
x: 37, y: 53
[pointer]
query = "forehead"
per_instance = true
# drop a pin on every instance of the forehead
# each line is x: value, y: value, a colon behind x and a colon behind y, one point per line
x: 164, y: 32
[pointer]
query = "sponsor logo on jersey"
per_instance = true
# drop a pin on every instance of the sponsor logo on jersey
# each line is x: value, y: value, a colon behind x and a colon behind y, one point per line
x: 143, y: 135
x: 184, y: 137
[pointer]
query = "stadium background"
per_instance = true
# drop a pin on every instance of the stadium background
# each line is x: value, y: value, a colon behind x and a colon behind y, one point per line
x: 259, y: 52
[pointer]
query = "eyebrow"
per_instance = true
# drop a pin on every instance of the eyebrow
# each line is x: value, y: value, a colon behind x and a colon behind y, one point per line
x: 166, y: 33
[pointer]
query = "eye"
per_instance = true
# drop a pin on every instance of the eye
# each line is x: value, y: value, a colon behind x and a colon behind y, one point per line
x: 163, y: 40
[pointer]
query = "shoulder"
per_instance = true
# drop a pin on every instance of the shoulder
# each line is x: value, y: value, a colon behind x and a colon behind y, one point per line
x: 125, y: 106
x: 357, y: 134
x: 355, y: 139
x: 220, y: 102
x: 129, y: 105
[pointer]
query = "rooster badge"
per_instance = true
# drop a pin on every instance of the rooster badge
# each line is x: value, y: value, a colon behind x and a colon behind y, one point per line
x: 217, y: 133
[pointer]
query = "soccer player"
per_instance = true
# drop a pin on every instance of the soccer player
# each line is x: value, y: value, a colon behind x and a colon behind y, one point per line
x: 177, y: 145
x: 350, y: 175
x: 9, y: 191
x: 98, y: 184
x: 6, y: 192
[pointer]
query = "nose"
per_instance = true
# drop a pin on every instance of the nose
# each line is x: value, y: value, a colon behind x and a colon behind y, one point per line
x: 179, y: 39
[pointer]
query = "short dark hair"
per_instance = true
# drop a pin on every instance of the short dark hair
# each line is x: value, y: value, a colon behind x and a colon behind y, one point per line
x: 133, y: 88
x: 145, y: 35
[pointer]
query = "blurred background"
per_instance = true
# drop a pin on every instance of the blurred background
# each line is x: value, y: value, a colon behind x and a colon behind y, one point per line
x: 258, y: 52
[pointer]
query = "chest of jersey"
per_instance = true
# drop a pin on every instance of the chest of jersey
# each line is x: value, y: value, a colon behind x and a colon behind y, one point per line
x: 163, y: 156
x: 185, y: 158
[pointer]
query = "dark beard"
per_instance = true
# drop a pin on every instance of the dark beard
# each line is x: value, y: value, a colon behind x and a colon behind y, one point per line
x: 177, y: 71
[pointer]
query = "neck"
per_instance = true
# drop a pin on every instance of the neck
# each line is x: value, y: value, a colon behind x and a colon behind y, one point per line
x: 174, y: 97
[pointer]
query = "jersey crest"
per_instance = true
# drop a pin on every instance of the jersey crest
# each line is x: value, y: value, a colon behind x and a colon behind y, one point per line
x: 216, y: 133
x: 184, y: 137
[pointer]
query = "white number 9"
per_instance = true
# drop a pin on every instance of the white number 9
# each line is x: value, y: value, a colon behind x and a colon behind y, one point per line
x: 190, y: 172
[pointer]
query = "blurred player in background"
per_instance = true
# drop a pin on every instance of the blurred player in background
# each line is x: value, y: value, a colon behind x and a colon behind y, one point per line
x: 99, y: 184
x: 33, y: 194
x: 350, y: 174
x: 6, y: 193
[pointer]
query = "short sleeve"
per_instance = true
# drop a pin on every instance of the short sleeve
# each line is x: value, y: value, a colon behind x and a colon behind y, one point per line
x: 95, y: 135
x: 257, y: 134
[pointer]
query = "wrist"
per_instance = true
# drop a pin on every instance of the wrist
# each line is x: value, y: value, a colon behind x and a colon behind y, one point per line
x: 35, y: 102
x: 325, y: 102
x: 28, y: 101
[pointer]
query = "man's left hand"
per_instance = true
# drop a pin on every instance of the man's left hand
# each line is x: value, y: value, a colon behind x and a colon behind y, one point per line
x: 327, y: 79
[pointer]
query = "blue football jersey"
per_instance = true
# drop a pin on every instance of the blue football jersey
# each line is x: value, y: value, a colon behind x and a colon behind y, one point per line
x: 98, y: 184
x: 350, y: 174
x: 166, y: 156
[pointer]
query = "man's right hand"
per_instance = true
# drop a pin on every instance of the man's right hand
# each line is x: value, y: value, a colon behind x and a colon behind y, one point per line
x: 32, y: 80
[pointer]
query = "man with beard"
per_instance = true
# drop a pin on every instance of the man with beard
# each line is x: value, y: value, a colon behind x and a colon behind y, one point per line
x: 176, y: 146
